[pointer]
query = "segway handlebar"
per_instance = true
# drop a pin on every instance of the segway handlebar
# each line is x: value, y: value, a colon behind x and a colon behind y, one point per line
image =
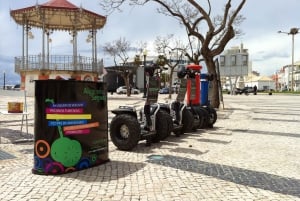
x: 150, y: 70
x: 190, y: 71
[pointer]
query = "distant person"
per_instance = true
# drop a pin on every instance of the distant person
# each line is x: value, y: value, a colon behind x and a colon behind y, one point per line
x: 130, y: 88
x: 255, y: 90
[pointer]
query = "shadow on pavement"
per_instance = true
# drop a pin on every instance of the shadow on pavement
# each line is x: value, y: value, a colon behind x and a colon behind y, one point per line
x: 262, y: 180
x: 189, y: 151
x: 214, y: 141
x: 112, y: 170
x: 259, y: 132
x: 15, y: 136
x: 5, y: 155
x: 271, y: 112
x: 279, y: 120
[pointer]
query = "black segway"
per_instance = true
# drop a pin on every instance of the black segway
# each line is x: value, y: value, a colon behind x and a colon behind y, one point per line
x: 182, y: 116
x: 206, y: 113
x: 127, y: 129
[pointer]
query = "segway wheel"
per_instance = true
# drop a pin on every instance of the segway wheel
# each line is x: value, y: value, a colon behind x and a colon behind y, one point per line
x: 197, y: 112
x: 212, y: 116
x: 187, y: 121
x: 162, y: 126
x: 167, y: 116
x: 197, y: 119
x: 203, y: 115
x: 125, y: 131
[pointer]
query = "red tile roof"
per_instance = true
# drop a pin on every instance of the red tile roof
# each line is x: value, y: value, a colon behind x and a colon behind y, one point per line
x: 59, y: 4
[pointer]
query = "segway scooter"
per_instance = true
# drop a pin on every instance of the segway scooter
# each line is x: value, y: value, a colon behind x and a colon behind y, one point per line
x: 193, y: 93
x: 182, y: 116
x: 206, y: 113
x: 127, y: 129
x: 185, y: 86
x: 192, y: 72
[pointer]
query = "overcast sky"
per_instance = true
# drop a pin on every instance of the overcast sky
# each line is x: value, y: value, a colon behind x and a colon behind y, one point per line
x: 268, y: 50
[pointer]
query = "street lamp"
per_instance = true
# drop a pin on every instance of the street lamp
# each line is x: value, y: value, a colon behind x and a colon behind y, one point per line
x: 3, y: 80
x: 137, y: 62
x: 145, y: 90
x: 292, y: 32
x: 49, y: 40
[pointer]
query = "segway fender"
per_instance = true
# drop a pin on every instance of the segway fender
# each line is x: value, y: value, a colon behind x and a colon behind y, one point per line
x: 125, y: 110
x: 165, y: 107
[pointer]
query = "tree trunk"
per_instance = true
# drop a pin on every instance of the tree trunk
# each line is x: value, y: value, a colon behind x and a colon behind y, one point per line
x: 170, y: 84
x: 215, y: 99
x: 126, y: 79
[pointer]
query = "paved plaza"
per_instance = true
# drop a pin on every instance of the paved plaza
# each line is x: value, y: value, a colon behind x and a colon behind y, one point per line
x: 252, y: 153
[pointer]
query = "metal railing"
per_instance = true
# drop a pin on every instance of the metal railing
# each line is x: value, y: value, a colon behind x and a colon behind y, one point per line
x: 57, y: 63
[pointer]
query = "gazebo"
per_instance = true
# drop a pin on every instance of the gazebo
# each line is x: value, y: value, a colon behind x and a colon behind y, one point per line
x: 57, y: 15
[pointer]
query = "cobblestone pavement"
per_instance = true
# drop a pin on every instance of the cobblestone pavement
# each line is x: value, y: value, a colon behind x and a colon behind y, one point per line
x: 252, y: 153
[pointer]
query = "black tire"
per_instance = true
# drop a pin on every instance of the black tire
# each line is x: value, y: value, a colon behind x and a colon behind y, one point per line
x: 200, y: 114
x: 197, y: 119
x: 206, y: 117
x: 187, y: 121
x: 212, y: 117
x: 162, y: 126
x: 169, y: 118
x: 203, y: 114
x: 125, y: 131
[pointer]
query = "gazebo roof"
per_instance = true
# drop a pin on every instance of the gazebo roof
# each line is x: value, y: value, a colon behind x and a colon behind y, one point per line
x: 58, y: 15
x: 59, y: 3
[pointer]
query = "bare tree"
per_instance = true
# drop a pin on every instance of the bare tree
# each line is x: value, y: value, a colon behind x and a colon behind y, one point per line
x: 171, y: 51
x: 212, y: 31
x: 119, y: 50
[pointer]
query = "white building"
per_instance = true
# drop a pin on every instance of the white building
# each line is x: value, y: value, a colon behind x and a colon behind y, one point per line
x: 285, y: 77
x: 234, y: 66
x: 263, y: 83
x: 234, y: 62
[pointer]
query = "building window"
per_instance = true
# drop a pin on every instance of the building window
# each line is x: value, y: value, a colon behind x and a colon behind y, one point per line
x: 233, y: 60
x: 245, y: 60
x: 222, y: 60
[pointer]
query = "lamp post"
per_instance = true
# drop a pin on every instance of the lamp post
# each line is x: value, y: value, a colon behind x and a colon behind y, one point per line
x: 293, y: 32
x: 276, y: 81
x: 3, y: 80
x: 48, y: 32
x: 137, y: 62
x: 145, y: 89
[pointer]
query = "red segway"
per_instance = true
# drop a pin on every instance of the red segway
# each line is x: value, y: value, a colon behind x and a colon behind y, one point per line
x: 192, y: 73
x: 194, y: 93
x: 207, y: 114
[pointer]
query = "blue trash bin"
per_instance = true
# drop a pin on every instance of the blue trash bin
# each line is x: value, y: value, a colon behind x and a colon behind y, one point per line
x: 204, y: 89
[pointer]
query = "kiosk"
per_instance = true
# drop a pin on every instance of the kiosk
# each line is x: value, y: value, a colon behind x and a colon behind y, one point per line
x: 70, y: 129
